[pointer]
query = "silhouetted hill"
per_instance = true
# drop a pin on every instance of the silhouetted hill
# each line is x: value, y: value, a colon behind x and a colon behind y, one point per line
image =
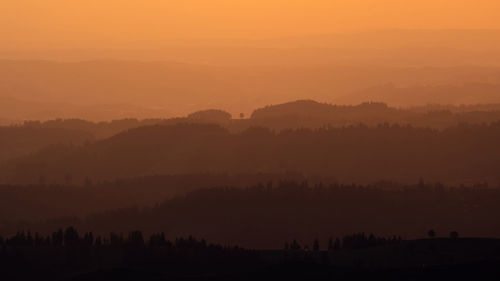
x: 17, y: 141
x: 15, y: 111
x: 43, y: 201
x: 215, y: 116
x: 464, y: 94
x: 266, y: 215
x: 100, y: 130
x: 466, y: 153
x: 31, y: 136
x: 312, y: 114
x: 299, y: 114
x: 70, y: 255
x: 463, y: 108
x: 179, y: 88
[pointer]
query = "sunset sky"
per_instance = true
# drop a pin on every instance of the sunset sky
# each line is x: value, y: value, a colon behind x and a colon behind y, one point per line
x: 107, y: 23
x: 238, y: 55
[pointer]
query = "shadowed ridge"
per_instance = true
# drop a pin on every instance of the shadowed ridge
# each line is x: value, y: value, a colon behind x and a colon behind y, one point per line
x: 180, y: 129
x: 291, y: 108
x: 314, y: 109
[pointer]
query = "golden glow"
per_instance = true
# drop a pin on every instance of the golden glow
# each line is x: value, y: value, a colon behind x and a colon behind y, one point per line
x: 77, y: 23
x: 186, y: 55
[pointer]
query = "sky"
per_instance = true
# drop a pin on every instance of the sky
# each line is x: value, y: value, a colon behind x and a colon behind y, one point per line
x: 111, y: 23
x: 177, y: 54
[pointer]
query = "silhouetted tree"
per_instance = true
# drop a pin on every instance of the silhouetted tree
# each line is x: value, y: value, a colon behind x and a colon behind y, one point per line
x: 316, y: 245
x: 330, y: 244
x: 58, y: 238
x: 98, y: 241
x: 71, y: 237
x: 295, y: 246
x: 454, y: 235
x: 88, y: 238
x: 336, y: 245
x: 115, y: 239
x: 431, y: 233
x: 135, y: 238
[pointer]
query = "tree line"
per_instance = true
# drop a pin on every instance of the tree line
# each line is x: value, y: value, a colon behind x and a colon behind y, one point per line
x: 361, y: 154
x: 263, y: 215
x: 67, y: 253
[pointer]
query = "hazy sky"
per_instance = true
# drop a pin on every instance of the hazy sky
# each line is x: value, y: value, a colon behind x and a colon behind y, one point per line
x: 90, y: 23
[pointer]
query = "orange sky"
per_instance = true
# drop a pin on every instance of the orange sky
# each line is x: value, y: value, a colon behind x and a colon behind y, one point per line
x: 110, y: 23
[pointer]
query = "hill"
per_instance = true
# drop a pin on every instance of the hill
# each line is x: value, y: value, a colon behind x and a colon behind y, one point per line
x: 462, y: 154
x: 314, y: 115
x: 16, y: 111
x: 44, y: 201
x: 68, y: 255
x: 265, y: 216
x: 311, y: 114
x: 32, y: 136
x: 17, y: 141
x: 176, y: 89
x: 410, y: 96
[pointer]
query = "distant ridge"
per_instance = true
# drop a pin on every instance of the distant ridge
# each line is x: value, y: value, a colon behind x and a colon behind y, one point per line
x: 313, y: 108
x: 419, y: 95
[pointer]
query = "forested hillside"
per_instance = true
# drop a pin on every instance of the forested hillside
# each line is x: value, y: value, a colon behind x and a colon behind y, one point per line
x: 265, y: 215
x: 466, y: 153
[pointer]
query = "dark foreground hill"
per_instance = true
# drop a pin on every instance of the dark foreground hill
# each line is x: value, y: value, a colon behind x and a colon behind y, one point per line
x: 42, y: 202
x: 266, y: 215
x: 461, y: 154
x: 67, y: 255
